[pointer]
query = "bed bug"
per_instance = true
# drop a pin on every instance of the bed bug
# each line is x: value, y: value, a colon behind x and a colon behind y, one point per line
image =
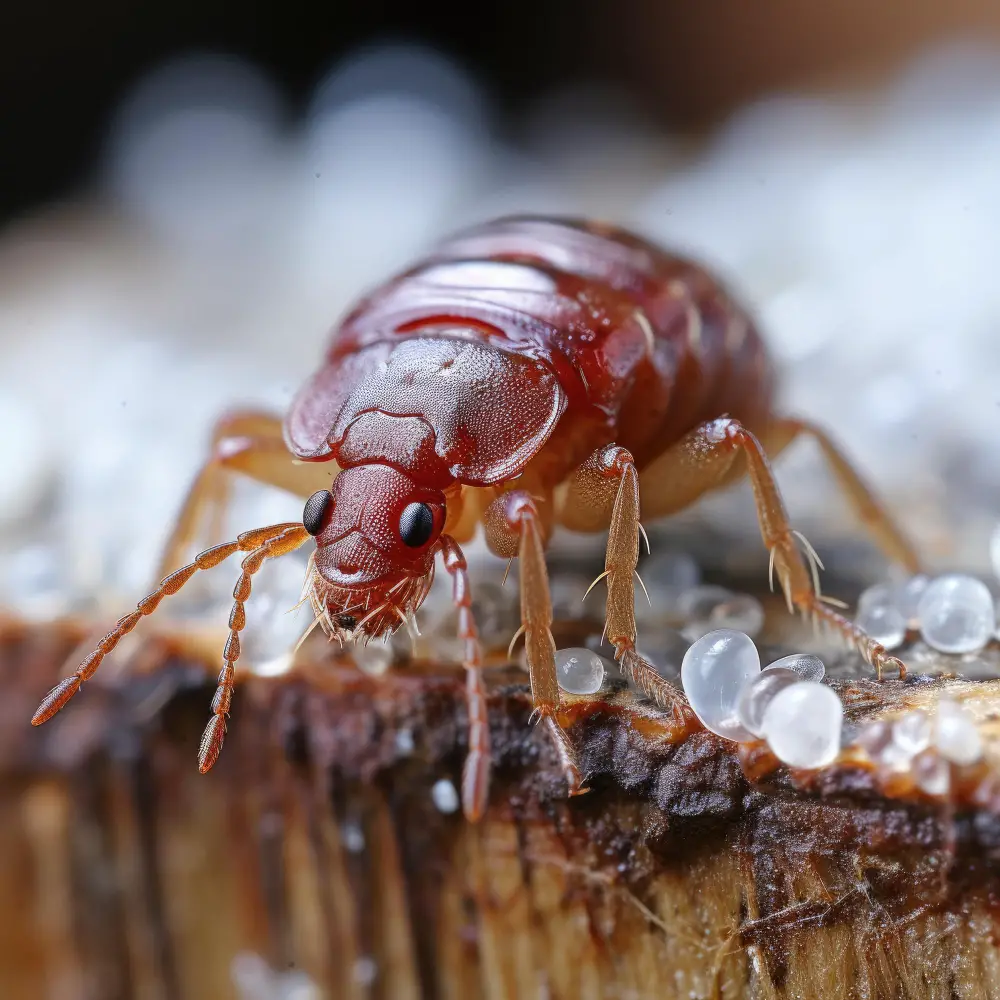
x: 529, y: 373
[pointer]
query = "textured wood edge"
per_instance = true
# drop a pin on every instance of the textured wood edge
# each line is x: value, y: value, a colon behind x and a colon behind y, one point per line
x: 316, y: 844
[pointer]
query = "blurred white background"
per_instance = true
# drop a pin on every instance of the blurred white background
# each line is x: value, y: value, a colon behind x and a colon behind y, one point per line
x: 227, y: 235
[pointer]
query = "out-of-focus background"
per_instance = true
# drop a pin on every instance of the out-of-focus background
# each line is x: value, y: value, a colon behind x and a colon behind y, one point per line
x: 190, y: 197
x: 192, y: 193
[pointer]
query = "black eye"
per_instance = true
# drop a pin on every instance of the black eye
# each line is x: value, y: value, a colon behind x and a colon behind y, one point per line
x: 312, y: 516
x: 416, y: 524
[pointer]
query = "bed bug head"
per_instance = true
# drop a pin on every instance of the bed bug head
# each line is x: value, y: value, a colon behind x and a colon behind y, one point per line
x: 375, y: 542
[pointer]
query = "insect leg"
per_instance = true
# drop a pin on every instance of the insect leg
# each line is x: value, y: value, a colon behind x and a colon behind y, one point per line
x: 285, y: 541
x: 869, y: 510
x: 605, y: 491
x: 701, y: 461
x: 513, y: 528
x: 246, y: 442
x: 476, y: 773
x: 280, y: 534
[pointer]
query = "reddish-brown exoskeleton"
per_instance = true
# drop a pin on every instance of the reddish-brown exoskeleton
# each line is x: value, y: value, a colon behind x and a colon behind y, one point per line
x: 531, y: 372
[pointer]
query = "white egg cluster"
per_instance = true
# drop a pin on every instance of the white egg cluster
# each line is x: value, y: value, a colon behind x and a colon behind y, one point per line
x: 924, y: 745
x: 675, y: 578
x: 802, y: 720
x: 708, y: 607
x: 954, y: 613
x: 785, y: 703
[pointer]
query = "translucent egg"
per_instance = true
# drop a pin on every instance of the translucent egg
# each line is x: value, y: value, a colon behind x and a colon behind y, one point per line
x: 931, y: 773
x: 708, y: 608
x: 957, y: 614
x: 714, y: 671
x: 758, y: 693
x: 912, y: 733
x: 955, y: 733
x: 893, y: 757
x: 874, y: 737
x: 668, y: 576
x: 806, y: 665
x: 879, y: 617
x: 566, y: 591
x: 445, y: 796
x: 580, y: 671
x: 373, y: 659
x: 995, y: 550
x: 802, y: 724
x: 597, y: 643
x: 674, y: 572
x: 906, y: 597
x: 877, y: 593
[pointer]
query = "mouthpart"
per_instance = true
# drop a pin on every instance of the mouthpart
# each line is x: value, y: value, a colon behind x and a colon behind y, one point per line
x: 365, y: 613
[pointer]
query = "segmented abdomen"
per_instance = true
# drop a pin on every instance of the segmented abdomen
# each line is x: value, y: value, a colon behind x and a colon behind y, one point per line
x: 646, y: 345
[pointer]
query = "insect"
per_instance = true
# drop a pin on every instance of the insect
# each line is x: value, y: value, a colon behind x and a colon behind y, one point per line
x: 529, y: 373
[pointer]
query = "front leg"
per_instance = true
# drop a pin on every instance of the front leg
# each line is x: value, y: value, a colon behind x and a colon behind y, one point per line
x: 514, y: 528
x: 249, y: 443
x: 605, y: 491
x: 476, y: 773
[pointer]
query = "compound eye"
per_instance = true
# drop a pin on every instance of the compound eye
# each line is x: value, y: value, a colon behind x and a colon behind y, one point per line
x: 416, y: 524
x: 315, y: 511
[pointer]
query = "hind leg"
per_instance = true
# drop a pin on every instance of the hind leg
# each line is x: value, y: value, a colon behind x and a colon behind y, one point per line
x: 877, y: 520
x: 247, y: 442
x: 701, y: 461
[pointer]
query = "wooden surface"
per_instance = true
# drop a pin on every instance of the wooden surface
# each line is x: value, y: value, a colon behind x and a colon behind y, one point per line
x: 315, y: 846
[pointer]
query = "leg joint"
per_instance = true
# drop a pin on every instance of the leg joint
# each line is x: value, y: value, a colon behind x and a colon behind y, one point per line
x: 724, y: 429
x: 614, y: 461
x: 519, y: 507
x: 506, y: 518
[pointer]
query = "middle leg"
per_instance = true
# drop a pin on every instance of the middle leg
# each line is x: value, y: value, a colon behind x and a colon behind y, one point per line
x: 604, y: 491
x: 514, y: 527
